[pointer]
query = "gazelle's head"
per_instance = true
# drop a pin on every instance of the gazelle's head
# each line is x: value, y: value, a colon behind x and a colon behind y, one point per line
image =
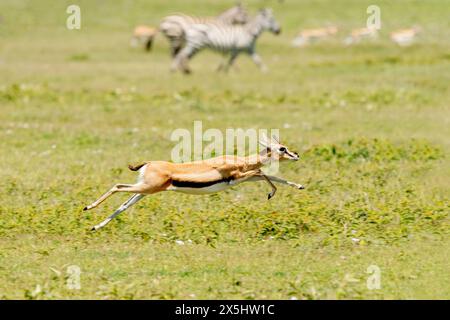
x: 268, y: 21
x: 277, y: 150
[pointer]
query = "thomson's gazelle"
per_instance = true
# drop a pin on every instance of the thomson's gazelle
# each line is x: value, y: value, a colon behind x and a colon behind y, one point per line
x: 310, y: 35
x: 405, y: 37
x: 358, y: 34
x: 143, y: 35
x: 201, y: 177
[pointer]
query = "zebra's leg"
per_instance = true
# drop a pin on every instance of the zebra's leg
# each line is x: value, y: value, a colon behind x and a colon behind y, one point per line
x: 182, y: 58
x: 231, y: 60
x: 258, y: 61
x: 224, y: 64
x: 176, y: 44
x: 176, y: 62
x: 221, y: 66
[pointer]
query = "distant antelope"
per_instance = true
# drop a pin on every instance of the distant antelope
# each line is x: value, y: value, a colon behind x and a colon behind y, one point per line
x: 201, y: 177
x: 358, y: 34
x: 405, y: 37
x: 311, y: 35
x: 227, y: 39
x: 144, y: 35
x: 172, y: 27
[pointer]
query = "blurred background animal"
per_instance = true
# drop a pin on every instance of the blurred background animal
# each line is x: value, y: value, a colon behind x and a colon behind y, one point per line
x: 228, y: 39
x: 308, y: 36
x: 405, y: 37
x: 143, y: 35
x: 172, y: 26
x: 359, y: 34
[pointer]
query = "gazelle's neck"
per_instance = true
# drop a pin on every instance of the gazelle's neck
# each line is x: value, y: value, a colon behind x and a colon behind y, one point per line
x: 256, y: 161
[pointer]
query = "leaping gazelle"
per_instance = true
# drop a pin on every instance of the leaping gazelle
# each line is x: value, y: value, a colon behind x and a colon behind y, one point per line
x: 201, y: 177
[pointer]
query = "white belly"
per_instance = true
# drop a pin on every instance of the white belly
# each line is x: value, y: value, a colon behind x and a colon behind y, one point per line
x: 205, y: 190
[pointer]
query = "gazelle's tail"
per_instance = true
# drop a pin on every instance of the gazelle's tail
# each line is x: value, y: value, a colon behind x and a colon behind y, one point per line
x: 136, y: 168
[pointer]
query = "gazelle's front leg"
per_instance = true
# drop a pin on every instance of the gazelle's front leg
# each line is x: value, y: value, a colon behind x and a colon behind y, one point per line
x: 277, y: 180
x: 274, y: 189
x: 238, y: 177
x: 283, y: 181
x: 257, y: 175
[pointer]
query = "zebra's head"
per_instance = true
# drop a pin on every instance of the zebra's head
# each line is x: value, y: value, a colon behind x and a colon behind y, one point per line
x: 268, y: 22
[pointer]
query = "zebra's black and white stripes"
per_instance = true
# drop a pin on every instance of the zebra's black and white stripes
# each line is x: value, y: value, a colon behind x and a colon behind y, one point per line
x: 228, y: 39
x: 173, y: 26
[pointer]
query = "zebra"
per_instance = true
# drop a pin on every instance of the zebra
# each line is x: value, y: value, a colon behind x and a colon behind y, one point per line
x: 228, y: 39
x: 172, y: 26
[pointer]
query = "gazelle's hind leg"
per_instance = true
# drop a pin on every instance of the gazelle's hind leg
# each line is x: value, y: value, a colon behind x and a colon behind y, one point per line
x: 135, y: 198
x: 117, y: 188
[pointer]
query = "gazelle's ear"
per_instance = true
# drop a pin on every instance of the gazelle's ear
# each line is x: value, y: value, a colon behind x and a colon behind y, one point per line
x: 265, y: 145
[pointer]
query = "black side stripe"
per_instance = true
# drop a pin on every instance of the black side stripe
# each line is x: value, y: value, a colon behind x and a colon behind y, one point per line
x: 194, y: 184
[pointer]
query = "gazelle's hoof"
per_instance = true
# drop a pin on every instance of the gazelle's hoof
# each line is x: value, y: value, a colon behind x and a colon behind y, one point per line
x: 270, y: 195
x: 301, y: 187
x: 85, y: 208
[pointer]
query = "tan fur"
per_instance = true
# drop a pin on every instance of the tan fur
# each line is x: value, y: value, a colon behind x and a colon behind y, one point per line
x: 318, y: 33
x: 144, y: 31
x: 361, y: 32
x: 144, y: 35
x: 158, y: 175
x: 405, y: 36
x: 205, y: 176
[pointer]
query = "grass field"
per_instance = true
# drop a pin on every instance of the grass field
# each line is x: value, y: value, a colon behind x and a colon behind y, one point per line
x: 371, y: 122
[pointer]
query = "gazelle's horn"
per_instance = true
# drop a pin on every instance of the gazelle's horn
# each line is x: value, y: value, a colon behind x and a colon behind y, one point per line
x: 275, y: 138
x: 264, y: 141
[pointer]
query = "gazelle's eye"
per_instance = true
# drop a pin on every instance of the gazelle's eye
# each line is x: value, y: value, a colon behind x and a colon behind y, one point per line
x: 282, y: 149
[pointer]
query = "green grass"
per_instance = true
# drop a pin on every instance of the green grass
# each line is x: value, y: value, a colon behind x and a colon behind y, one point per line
x: 371, y: 123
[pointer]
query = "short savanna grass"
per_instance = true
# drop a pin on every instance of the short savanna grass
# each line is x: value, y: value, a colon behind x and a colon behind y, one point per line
x: 371, y: 123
